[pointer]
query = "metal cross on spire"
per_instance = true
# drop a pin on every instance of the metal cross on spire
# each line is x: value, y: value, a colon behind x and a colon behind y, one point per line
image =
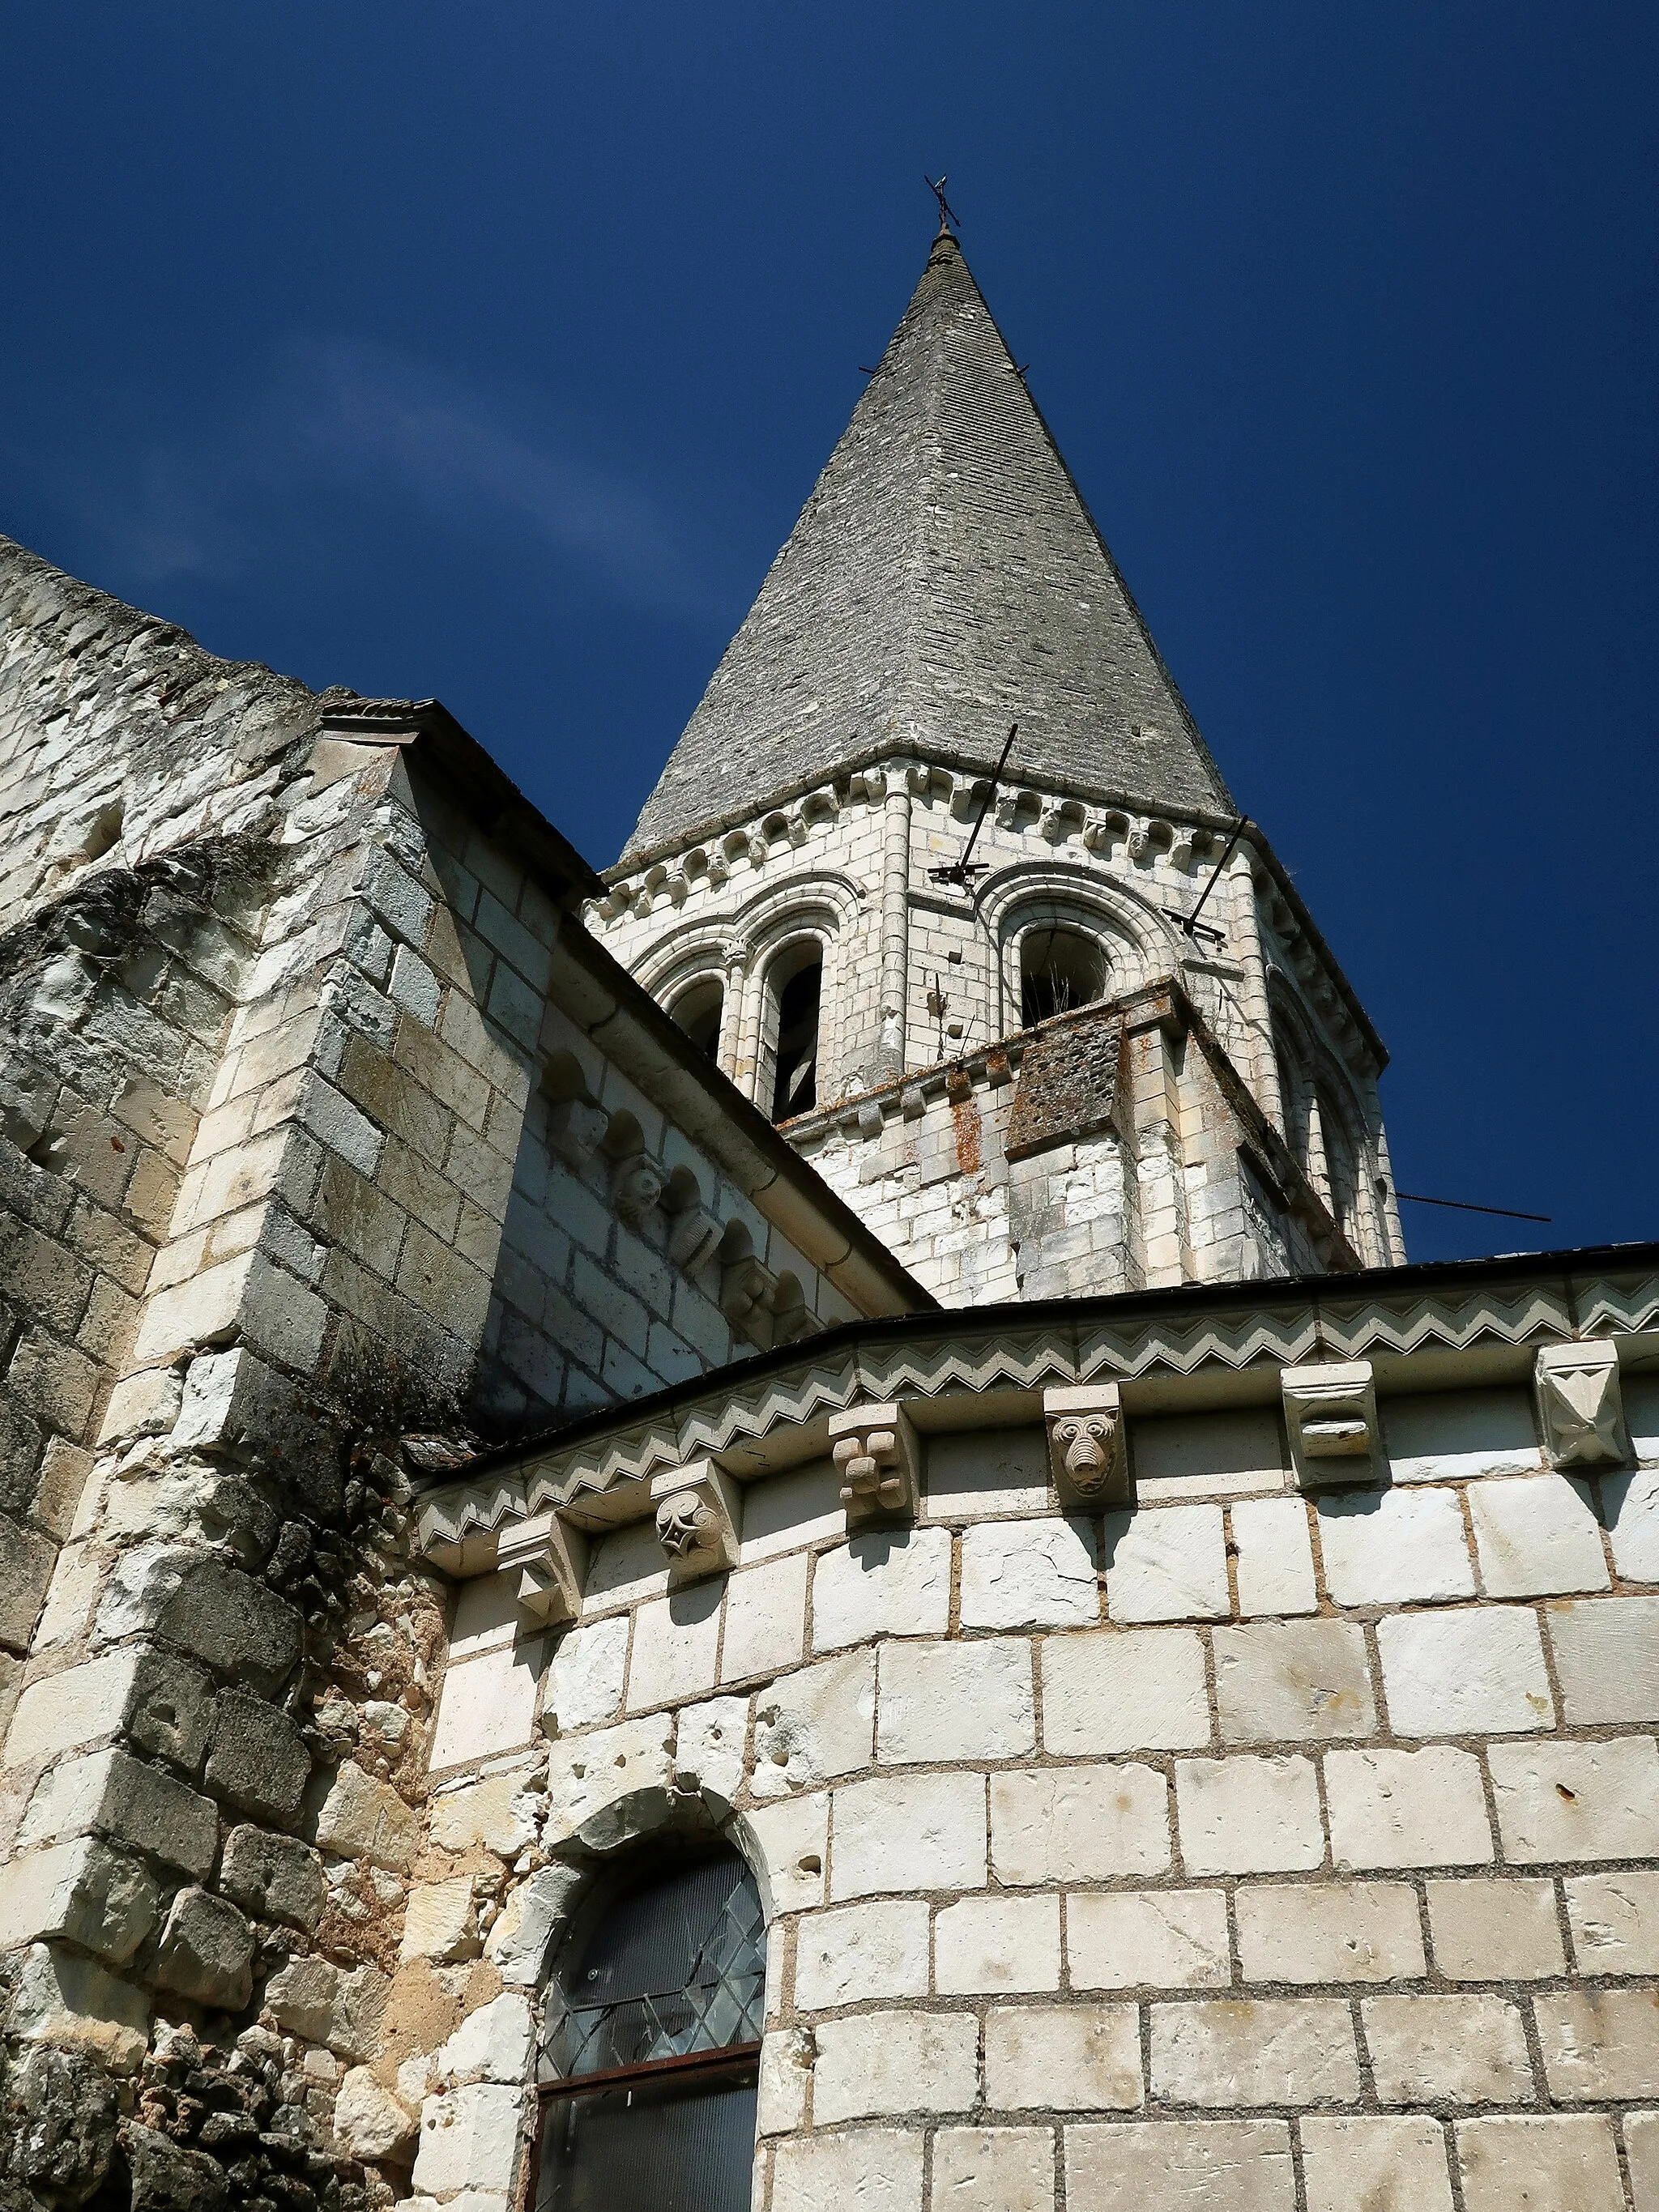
x: 947, y: 213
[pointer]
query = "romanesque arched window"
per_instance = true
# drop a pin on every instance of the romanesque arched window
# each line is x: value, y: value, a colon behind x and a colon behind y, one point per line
x: 1060, y: 968
x: 794, y: 986
x: 650, y: 2045
x: 697, y: 1010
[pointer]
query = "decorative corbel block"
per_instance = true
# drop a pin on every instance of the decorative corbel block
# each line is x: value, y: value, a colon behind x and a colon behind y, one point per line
x: 1580, y: 1406
x: 552, y: 1560
x: 1330, y: 1416
x: 879, y: 1463
x: 1088, y: 1447
x: 637, y: 1184
x: 693, y: 1239
x: 699, y: 1516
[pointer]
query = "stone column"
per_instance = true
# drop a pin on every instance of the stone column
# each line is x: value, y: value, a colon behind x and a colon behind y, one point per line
x: 730, y: 1043
x: 895, y: 926
x: 1263, y: 1070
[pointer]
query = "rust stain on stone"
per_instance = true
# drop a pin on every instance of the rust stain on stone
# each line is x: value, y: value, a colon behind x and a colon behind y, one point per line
x: 964, y: 1113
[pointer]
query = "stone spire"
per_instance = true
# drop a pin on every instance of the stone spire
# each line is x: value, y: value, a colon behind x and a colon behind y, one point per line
x: 943, y: 579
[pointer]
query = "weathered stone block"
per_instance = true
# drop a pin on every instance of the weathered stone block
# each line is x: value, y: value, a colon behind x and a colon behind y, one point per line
x: 765, y: 1619
x: 171, y: 1710
x: 1536, y: 1534
x: 1599, y: 2043
x: 1077, y: 1823
x: 1300, y: 1681
x: 1248, y: 1815
x: 488, y: 1705
x: 880, y: 2064
x: 997, y: 1945
x: 1433, y: 2050
x: 362, y: 1818
x: 876, y: 1950
x: 888, y: 1583
x: 113, y: 1793
x: 518, y: 1944
x: 1478, y: 1671
x: 273, y: 1877
x: 168, y: 2178
x: 1148, y: 1939
x: 994, y: 2169
x: 1028, y: 1574
x: 491, y: 2044
x: 368, y: 2122
x: 1132, y: 1690
x: 1071, y: 2058
x: 709, y: 1751
x: 496, y: 1813
x: 1167, y: 1564
x: 61, y: 1997
x: 1350, y: 1932
x: 585, y: 1681
x: 1606, y: 1658
x: 1563, y: 2163
x: 1495, y: 1931
x: 1615, y: 1921
x: 95, y: 1897
x: 1407, y: 1809
x: 1375, y: 2164
x: 1576, y: 1800
x: 257, y: 1758
x: 676, y: 1642
x: 876, y: 2168
x: 207, y: 1952
x: 966, y: 1700
x: 1275, y: 1564
x: 1171, y: 2166
x: 469, y: 2139
x: 604, y: 1789
x: 311, y: 1998
x: 911, y: 1831
x: 1393, y: 1547
x: 1266, y: 2051
x: 240, y: 1628
x: 78, y: 1706
x: 815, y: 1725
x: 27, y: 1561
x: 440, y: 1921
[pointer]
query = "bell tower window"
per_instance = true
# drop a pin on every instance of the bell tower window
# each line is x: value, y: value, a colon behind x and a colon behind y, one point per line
x: 1059, y: 969
x: 697, y: 1011
x: 796, y: 990
x: 651, y: 2045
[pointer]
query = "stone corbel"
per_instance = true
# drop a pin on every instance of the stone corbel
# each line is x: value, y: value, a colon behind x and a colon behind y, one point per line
x: 694, y: 1238
x: 879, y: 1459
x: 699, y: 1518
x: 637, y: 1184
x: 552, y: 1560
x: 1330, y: 1417
x: 1088, y: 1448
x: 576, y: 1130
x: 1580, y: 1406
x: 744, y: 1286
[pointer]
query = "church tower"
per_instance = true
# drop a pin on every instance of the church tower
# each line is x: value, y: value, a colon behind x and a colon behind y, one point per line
x: 1108, y: 1050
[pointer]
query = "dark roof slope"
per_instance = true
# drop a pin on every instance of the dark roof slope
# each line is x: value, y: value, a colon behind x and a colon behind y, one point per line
x: 943, y: 579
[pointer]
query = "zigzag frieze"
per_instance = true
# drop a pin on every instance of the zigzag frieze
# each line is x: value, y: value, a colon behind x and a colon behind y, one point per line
x: 727, y: 1419
x: 1616, y: 1302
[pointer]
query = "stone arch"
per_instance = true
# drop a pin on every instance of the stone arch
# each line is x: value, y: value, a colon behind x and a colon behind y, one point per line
x: 820, y: 909
x: 1136, y: 940
x: 1325, y: 1124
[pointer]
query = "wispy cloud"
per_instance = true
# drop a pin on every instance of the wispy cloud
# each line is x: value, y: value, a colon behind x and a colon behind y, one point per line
x: 340, y: 420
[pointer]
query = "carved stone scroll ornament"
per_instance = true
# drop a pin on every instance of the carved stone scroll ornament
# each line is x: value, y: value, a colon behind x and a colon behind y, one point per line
x: 699, y: 1518
x: 552, y: 1561
x: 1580, y: 1406
x: 1088, y: 1448
x: 878, y: 1460
x: 1330, y: 1417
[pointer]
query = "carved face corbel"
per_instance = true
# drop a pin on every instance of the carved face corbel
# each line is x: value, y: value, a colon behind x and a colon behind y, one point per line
x: 878, y: 1460
x: 1088, y: 1448
x: 637, y: 1184
x: 552, y: 1561
x: 699, y: 1513
x: 1330, y: 1418
x: 1580, y: 1406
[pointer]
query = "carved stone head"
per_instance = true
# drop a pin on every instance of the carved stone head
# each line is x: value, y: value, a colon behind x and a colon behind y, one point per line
x: 1086, y: 1441
x: 639, y: 1186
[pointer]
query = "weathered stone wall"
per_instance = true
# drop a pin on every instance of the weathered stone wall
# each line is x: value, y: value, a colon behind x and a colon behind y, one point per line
x: 1286, y: 1840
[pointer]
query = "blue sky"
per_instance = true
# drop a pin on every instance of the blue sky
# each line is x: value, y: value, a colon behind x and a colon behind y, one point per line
x: 491, y: 352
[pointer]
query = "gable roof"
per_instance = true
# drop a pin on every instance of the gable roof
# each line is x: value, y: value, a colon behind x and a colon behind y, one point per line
x: 944, y: 580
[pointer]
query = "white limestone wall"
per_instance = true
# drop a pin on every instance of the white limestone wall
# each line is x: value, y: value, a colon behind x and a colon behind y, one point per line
x: 1248, y: 1851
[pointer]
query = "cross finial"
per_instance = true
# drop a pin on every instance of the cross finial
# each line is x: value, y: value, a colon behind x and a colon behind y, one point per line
x: 947, y: 213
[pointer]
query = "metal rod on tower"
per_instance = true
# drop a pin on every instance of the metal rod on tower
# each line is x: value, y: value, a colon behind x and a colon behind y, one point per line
x: 1464, y: 1205
x: 1189, y: 922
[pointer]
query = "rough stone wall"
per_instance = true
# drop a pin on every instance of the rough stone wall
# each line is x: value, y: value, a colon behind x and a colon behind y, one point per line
x: 1273, y: 1852
x: 725, y: 907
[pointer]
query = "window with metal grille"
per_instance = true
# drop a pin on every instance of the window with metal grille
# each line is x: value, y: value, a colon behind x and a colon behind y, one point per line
x: 649, y: 2048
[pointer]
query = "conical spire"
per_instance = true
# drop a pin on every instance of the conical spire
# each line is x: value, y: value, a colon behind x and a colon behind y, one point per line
x: 943, y: 579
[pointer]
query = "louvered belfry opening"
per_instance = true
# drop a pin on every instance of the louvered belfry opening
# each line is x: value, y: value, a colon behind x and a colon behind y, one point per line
x: 650, y: 2047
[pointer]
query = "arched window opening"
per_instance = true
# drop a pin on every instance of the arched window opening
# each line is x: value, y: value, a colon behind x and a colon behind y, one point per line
x: 1059, y: 969
x: 650, y: 2047
x: 1340, y: 1185
x: 798, y: 995
x: 697, y: 1011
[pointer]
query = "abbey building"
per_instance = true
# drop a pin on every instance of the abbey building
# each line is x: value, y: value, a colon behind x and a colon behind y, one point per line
x: 781, y: 1529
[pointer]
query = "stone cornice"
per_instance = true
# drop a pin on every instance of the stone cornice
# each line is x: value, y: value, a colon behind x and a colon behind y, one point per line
x: 1482, y: 1320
